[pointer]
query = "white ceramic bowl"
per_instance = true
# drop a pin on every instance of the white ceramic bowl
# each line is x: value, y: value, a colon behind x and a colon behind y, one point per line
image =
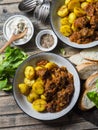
x: 38, y: 40
x: 22, y: 101
x: 55, y: 23
x: 8, y: 29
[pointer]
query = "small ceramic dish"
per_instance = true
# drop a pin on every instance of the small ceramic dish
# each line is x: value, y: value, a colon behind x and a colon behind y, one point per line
x: 12, y: 24
x: 46, y: 40
x: 22, y: 100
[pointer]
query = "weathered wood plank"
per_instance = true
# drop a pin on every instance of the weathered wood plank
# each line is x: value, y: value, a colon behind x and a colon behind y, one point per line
x: 9, y: 1
x: 3, y: 93
x: 33, y: 127
x: 9, y: 8
x: 77, y: 126
x: 24, y: 120
x: 8, y: 106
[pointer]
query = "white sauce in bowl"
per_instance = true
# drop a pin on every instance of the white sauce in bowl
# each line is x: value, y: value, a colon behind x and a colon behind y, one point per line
x: 11, y: 26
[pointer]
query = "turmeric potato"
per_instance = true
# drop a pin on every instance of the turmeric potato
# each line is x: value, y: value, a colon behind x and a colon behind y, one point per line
x: 29, y: 72
x: 63, y: 11
x: 39, y: 67
x: 24, y: 89
x: 73, y: 27
x: 64, y: 21
x: 32, y: 96
x: 72, y: 17
x: 66, y: 30
x: 79, y: 12
x: 43, y: 97
x: 28, y: 82
x: 67, y: 2
x: 50, y: 65
x: 81, y: 0
x: 38, y: 87
x: 91, y: 0
x: 72, y: 4
x: 84, y: 4
x: 39, y: 105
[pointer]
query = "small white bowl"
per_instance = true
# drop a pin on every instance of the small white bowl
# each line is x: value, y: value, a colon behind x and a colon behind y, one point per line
x: 9, y: 25
x: 38, y: 40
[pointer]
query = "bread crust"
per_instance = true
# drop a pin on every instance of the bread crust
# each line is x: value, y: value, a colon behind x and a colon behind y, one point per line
x: 84, y: 102
x: 86, y: 69
x: 91, y: 80
x: 77, y: 59
x: 90, y: 54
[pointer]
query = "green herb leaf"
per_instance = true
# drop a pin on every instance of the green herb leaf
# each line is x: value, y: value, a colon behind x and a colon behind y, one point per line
x: 3, y: 83
x: 8, y: 64
x: 93, y: 96
x: 62, y: 51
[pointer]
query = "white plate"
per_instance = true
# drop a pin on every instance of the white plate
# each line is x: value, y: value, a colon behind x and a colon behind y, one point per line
x: 25, y: 105
x: 55, y: 23
x: 7, y: 31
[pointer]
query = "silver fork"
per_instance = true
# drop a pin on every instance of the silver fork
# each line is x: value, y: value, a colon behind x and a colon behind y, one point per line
x: 44, y: 11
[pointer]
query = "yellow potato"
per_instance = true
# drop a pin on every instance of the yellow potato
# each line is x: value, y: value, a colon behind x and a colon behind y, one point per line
x: 43, y: 97
x: 38, y: 88
x: 66, y: 30
x: 73, y: 27
x: 50, y: 65
x: 79, y: 12
x: 84, y: 4
x: 67, y: 2
x: 63, y: 11
x: 39, y: 67
x: 81, y: 0
x: 90, y: 0
x: 28, y: 82
x: 39, y: 105
x: 88, y: 17
x: 32, y: 96
x: 72, y: 17
x: 29, y: 72
x: 72, y: 4
x: 64, y: 21
x: 24, y: 89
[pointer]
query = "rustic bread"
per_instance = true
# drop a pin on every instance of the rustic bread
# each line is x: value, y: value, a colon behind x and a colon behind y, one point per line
x: 91, y: 81
x: 77, y: 59
x: 86, y: 69
x: 90, y: 54
x: 90, y: 85
x: 85, y: 103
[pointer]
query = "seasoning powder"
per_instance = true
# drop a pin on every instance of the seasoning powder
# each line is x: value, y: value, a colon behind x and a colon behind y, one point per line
x: 47, y: 41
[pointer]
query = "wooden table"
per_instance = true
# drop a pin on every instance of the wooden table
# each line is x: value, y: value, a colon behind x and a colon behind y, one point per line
x: 11, y: 117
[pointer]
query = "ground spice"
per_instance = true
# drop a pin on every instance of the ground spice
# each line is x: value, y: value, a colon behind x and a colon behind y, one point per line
x: 47, y: 41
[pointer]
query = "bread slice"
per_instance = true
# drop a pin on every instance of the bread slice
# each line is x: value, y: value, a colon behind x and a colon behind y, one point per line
x: 86, y: 69
x: 77, y: 59
x: 85, y: 103
x: 91, y: 81
x: 90, y: 85
x: 90, y: 54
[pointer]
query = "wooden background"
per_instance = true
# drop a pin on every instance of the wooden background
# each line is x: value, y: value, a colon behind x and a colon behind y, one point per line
x: 11, y: 117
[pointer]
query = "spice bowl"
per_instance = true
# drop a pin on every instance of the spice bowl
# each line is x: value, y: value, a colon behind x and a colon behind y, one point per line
x: 46, y: 40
